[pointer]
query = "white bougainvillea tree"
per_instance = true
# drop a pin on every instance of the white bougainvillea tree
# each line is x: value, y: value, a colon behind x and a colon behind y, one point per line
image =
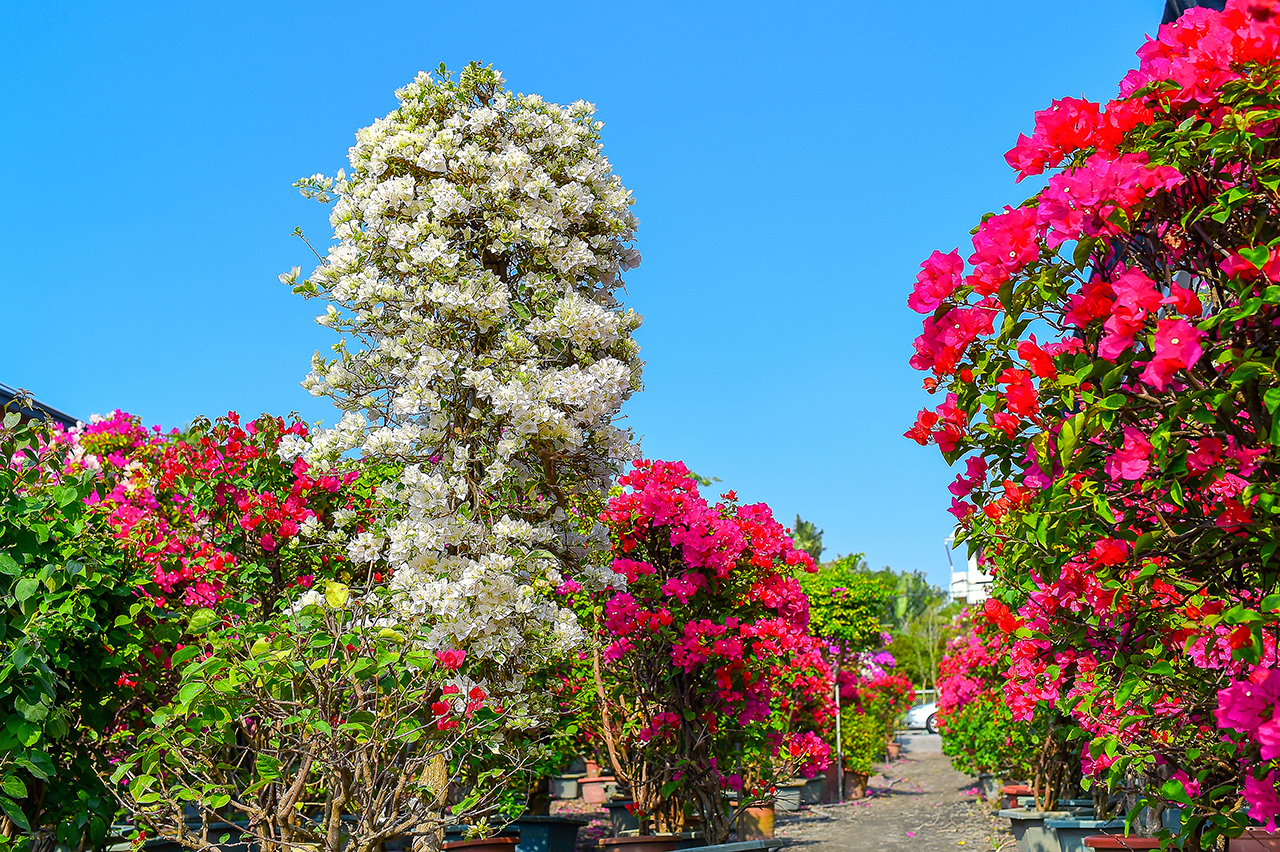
x: 480, y: 238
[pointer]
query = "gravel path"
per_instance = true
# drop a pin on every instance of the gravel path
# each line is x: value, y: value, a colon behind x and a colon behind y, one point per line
x: 917, y: 803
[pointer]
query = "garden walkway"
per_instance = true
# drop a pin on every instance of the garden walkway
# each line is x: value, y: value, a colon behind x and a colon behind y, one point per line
x: 917, y: 803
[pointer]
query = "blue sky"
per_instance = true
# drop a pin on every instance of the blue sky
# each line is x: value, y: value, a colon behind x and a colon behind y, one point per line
x: 792, y: 164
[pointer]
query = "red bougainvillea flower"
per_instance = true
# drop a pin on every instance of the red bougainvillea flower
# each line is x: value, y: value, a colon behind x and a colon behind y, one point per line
x: 1040, y: 361
x: 939, y: 277
x: 1177, y: 347
x: 1132, y: 460
x: 451, y: 659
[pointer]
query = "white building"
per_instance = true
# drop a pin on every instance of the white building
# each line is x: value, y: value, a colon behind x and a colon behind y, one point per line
x: 968, y: 584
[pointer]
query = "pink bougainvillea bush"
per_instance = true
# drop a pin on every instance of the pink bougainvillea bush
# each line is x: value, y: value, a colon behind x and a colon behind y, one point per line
x: 979, y: 733
x: 135, y: 534
x: 227, y: 510
x: 1106, y: 355
x: 707, y: 662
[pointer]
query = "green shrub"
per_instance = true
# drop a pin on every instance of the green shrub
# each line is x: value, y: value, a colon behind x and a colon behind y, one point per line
x: 862, y: 740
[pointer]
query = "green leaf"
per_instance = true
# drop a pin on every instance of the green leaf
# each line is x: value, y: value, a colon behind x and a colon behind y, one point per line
x: 13, y: 787
x: 1101, y: 506
x: 8, y: 565
x: 14, y: 813
x: 336, y: 594
x: 203, y: 619
x: 189, y: 692
x: 31, y: 711
x: 37, y: 763
x: 1175, y: 791
x: 1070, y: 437
x: 1258, y: 256
x: 1125, y: 691
x: 21, y: 656
x: 1239, y: 615
x: 268, y: 766
x: 25, y: 588
x: 1272, y: 399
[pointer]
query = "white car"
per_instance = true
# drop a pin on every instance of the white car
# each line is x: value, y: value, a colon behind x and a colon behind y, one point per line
x: 924, y: 716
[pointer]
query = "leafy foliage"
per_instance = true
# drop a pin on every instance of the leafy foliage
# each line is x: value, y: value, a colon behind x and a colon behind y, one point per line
x: 845, y: 603
x: 69, y: 633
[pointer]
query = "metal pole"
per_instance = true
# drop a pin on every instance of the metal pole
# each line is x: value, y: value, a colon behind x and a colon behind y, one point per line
x: 839, y: 751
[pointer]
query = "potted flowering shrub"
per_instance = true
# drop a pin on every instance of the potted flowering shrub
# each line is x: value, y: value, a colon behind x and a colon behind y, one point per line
x: 69, y: 644
x: 695, y: 651
x: 289, y: 724
x: 887, y: 699
x: 1108, y: 365
x: 862, y: 743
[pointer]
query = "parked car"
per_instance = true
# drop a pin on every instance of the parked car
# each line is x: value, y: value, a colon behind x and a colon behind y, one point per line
x: 924, y: 716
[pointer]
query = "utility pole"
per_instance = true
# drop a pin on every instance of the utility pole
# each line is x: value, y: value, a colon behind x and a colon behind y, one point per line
x: 839, y: 751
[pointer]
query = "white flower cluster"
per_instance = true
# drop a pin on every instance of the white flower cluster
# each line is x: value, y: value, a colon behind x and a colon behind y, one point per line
x: 479, y: 240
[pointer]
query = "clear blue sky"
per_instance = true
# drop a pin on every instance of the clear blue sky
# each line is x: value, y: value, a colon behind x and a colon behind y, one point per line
x: 793, y: 164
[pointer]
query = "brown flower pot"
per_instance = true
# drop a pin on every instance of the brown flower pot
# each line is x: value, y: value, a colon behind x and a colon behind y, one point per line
x: 647, y: 843
x: 893, y: 749
x: 1013, y: 791
x: 855, y: 785
x: 1255, y: 840
x: 1119, y: 841
x: 756, y: 823
x: 596, y: 791
x: 491, y: 844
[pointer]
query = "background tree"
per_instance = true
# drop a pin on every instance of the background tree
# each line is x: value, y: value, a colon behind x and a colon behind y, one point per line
x: 808, y: 537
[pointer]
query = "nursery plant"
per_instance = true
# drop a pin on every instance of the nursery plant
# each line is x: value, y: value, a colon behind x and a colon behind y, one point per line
x: 480, y: 237
x: 68, y: 644
x: 478, y: 241
x: 705, y: 660
x: 1108, y: 368
x: 321, y: 727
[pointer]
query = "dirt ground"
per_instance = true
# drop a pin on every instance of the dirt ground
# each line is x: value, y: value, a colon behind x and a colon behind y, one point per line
x: 917, y: 803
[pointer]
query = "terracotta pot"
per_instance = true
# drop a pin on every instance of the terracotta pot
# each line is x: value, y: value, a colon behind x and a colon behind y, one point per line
x: 647, y: 843
x: 492, y: 844
x: 596, y: 791
x: 1013, y: 791
x: 830, y: 786
x: 756, y: 823
x: 1254, y: 840
x: 593, y: 769
x: 893, y: 749
x: 855, y: 785
x: 1119, y: 841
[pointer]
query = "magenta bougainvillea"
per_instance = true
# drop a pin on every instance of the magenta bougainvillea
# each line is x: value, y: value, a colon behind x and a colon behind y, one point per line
x: 1108, y: 365
x: 709, y: 677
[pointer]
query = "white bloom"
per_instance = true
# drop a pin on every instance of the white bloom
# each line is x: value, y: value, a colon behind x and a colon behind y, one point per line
x: 480, y: 239
x: 291, y: 446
